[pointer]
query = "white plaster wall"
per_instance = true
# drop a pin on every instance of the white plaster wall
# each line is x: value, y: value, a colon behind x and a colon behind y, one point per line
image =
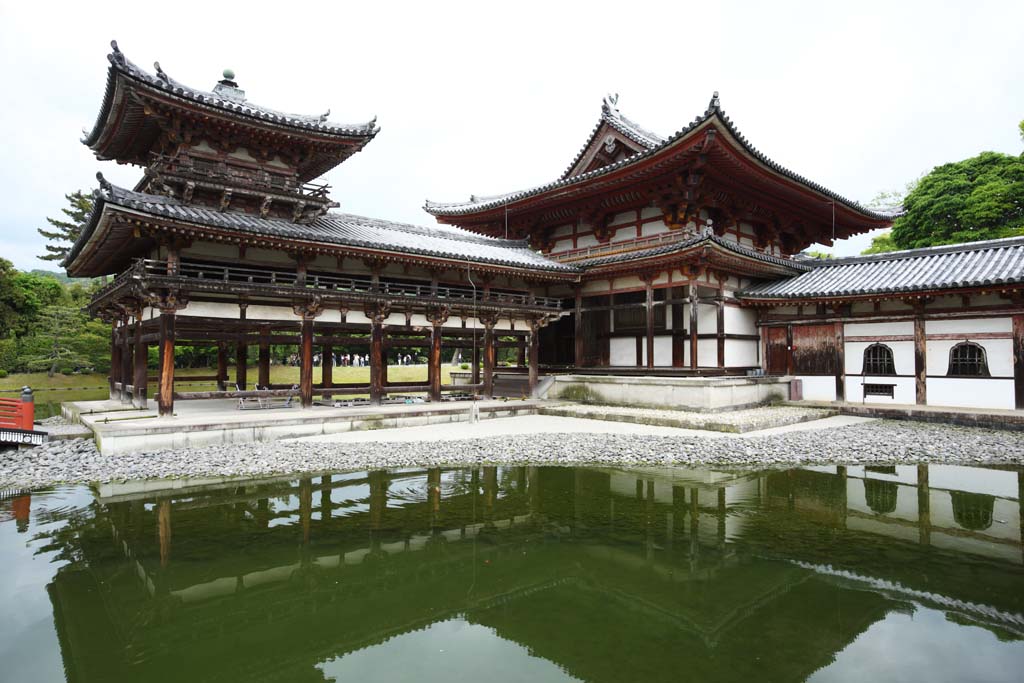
x: 970, y: 393
x: 259, y: 312
x: 632, y: 282
x: 595, y: 287
x: 740, y: 320
x: 967, y: 326
x: 562, y: 245
x: 740, y: 353
x: 662, y: 351
x: 562, y: 231
x: 902, y: 356
x: 624, y: 234
x: 904, y: 391
x: 878, y: 329
x: 650, y: 212
x: 622, y: 351
x: 707, y: 353
x: 707, y: 318
x: 819, y: 387
x: 586, y: 241
x: 654, y: 228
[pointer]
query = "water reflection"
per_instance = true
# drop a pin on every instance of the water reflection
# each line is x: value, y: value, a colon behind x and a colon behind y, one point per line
x: 527, y: 573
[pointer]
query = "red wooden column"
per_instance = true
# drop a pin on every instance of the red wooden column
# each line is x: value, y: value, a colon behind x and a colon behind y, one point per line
x: 694, y: 303
x: 489, y: 320
x: 141, y: 357
x: 580, y: 349
x: 474, y: 373
x: 165, y: 399
x: 720, y: 321
x: 840, y: 363
x: 242, y: 350
x: 1018, y: 361
x: 534, y: 354
x: 306, y: 361
x: 920, y: 358
x: 437, y: 318
x: 263, y: 373
x: 377, y: 313
x: 115, y: 361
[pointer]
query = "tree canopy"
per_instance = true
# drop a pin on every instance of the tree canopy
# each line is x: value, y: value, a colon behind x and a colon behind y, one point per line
x: 979, y: 198
x: 66, y: 231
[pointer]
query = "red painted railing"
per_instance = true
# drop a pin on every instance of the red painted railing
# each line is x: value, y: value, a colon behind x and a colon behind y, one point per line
x: 17, y: 413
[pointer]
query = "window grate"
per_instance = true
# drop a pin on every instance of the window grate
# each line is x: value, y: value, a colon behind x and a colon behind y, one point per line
x: 888, y: 390
x: 878, y: 360
x: 967, y: 359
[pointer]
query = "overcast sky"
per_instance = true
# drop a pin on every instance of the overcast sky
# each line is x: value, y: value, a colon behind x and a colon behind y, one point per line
x: 486, y: 98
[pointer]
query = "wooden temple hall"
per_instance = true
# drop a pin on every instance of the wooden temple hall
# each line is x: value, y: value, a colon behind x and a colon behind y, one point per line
x: 650, y: 255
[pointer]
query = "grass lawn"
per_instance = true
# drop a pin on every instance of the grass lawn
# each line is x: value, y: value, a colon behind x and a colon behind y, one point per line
x: 50, y: 392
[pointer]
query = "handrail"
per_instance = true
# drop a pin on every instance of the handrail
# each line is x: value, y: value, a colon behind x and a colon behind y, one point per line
x: 320, y: 281
x: 623, y: 246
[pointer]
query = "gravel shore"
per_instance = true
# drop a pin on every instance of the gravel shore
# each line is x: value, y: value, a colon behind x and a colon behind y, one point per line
x: 880, y: 442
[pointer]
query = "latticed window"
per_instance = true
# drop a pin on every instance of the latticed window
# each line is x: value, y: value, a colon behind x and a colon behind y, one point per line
x: 967, y: 359
x: 878, y: 360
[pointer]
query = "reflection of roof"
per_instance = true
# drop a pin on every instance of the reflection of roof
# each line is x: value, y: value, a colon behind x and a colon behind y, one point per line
x: 224, y: 100
x: 975, y: 264
x: 713, y: 113
x: 333, y: 228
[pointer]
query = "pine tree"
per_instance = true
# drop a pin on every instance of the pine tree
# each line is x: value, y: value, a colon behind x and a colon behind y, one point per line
x: 66, y: 232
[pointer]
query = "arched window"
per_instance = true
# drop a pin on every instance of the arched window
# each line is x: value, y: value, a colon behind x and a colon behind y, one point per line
x: 967, y: 359
x: 878, y: 360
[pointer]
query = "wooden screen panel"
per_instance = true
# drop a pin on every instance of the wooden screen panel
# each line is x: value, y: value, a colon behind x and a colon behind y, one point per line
x: 814, y: 349
x: 776, y: 352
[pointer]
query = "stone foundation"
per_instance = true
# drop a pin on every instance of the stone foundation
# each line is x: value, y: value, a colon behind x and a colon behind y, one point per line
x: 704, y: 394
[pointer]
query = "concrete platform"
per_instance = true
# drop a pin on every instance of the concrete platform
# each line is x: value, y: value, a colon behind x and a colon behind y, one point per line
x: 988, y: 418
x: 704, y: 394
x: 206, y: 423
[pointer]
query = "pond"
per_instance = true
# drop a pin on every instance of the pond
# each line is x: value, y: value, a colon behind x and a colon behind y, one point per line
x: 520, y: 574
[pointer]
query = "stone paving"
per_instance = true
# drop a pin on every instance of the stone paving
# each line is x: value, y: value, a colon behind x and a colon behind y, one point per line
x: 737, y: 421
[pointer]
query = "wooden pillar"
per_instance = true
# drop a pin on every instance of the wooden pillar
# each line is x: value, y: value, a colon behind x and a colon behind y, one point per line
x: 649, y: 310
x: 263, y: 371
x: 720, y: 332
x: 840, y: 363
x: 222, y: 366
x: 693, y: 326
x: 165, y: 399
x: 920, y: 361
x: 474, y: 374
x: 164, y: 530
x: 377, y: 314
x: 306, y: 507
x: 126, y: 360
x: 437, y: 318
x: 521, y: 352
x: 141, y: 356
x: 790, y: 365
x: 579, y: 349
x: 534, y: 356
x: 924, y: 506
x: 115, y: 361
x: 1018, y: 361
x: 306, y: 362
x: 489, y: 355
x: 242, y: 351
x: 327, y: 369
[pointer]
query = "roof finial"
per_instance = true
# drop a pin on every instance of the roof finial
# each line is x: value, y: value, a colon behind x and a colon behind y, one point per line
x: 714, y: 104
x: 104, y: 183
x: 610, y: 104
x: 160, y: 73
x: 116, y: 55
x: 323, y: 117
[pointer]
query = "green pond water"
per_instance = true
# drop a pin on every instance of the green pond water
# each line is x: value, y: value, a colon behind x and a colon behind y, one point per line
x: 520, y: 574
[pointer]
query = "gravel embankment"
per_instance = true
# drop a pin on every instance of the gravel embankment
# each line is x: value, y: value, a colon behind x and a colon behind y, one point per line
x: 881, y: 442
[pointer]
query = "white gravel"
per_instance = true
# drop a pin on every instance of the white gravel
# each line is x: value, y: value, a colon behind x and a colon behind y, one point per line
x: 877, y: 442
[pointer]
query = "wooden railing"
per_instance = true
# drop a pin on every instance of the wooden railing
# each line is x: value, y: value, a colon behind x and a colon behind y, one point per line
x: 334, y: 283
x: 17, y: 413
x: 623, y: 246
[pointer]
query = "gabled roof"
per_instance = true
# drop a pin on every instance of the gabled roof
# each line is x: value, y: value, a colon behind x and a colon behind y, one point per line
x: 440, y: 241
x: 612, y: 118
x: 991, y: 263
x: 713, y: 115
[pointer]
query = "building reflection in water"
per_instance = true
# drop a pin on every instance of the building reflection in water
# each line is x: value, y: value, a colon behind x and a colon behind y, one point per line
x: 608, y: 574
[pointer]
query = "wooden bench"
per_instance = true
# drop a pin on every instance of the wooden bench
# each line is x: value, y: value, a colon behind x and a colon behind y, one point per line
x: 268, y: 400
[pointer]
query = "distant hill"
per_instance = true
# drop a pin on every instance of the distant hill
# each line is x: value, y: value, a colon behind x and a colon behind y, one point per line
x: 60, y: 276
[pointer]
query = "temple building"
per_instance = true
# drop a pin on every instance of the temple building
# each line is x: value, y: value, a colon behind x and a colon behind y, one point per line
x: 674, y: 257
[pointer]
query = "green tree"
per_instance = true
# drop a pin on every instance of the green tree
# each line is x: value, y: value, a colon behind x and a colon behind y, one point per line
x: 817, y: 254
x: 881, y: 244
x: 55, y: 342
x: 12, y: 297
x: 65, y: 231
x: 976, y: 199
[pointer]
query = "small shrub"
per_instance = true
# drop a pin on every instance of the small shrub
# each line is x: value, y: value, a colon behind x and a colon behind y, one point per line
x: 464, y: 366
x: 3, y: 373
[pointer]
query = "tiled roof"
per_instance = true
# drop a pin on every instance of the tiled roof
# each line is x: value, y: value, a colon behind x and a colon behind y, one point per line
x: 227, y: 100
x: 714, y: 111
x: 686, y: 244
x: 333, y: 228
x: 955, y: 266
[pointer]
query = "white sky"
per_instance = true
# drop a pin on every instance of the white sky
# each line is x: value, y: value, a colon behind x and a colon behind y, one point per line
x: 486, y: 98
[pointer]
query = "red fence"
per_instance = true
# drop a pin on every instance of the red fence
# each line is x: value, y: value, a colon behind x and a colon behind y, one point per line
x: 16, y: 413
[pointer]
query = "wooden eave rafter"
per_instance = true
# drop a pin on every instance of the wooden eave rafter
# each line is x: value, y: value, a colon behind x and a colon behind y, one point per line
x: 1007, y: 290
